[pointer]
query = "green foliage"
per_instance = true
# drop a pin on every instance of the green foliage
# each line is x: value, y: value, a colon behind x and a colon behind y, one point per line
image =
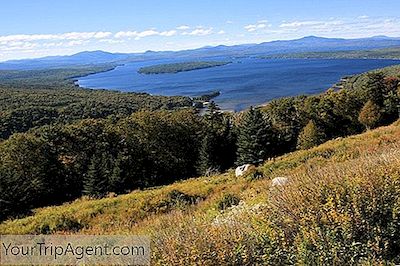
x: 41, y: 97
x: 95, y: 156
x: 310, y: 136
x: 341, y: 207
x: 370, y: 115
x: 218, y: 143
x: 179, y: 67
x: 374, y: 87
x: 29, y: 174
x: 96, y: 181
x: 254, y: 138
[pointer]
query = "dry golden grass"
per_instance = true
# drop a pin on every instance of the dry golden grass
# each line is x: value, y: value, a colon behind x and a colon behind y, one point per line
x: 342, y: 206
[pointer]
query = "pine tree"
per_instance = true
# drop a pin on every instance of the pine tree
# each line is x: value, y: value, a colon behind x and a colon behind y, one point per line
x: 117, y: 179
x: 310, y: 136
x: 254, y: 137
x: 217, y: 147
x: 95, y: 183
x: 208, y: 160
x: 370, y: 115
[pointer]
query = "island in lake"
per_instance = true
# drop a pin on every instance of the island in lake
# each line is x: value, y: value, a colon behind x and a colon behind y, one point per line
x: 180, y: 67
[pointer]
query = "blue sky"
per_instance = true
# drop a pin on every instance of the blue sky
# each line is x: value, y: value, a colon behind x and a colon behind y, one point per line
x: 48, y: 27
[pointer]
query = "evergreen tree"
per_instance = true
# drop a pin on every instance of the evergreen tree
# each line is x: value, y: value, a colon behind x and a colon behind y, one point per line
x: 310, y: 136
x: 95, y: 182
x: 254, y: 138
x: 208, y: 161
x: 370, y: 115
x: 117, y: 178
x: 391, y: 100
x: 374, y: 88
x: 217, y: 147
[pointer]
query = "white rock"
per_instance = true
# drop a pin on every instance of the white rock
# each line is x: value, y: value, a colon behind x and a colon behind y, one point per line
x: 242, y: 169
x: 279, y: 181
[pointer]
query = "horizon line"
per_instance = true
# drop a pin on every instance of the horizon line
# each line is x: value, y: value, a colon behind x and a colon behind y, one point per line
x: 196, y: 48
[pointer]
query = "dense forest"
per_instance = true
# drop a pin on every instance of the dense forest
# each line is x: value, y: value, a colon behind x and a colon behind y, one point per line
x: 180, y: 67
x: 84, y: 142
x: 38, y: 97
x: 385, y: 53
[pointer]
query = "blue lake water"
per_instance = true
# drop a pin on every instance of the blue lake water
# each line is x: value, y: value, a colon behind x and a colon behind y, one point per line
x: 245, y: 82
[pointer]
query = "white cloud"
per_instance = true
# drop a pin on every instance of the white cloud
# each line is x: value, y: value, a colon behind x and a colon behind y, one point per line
x: 183, y: 27
x: 62, y: 36
x: 199, y: 32
x: 221, y: 32
x: 262, y: 24
x: 346, y: 28
x: 75, y: 43
x: 312, y: 24
x: 137, y: 35
x: 168, y: 33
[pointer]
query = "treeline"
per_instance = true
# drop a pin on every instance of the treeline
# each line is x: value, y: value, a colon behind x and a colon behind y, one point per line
x: 56, y: 78
x: 305, y: 121
x: 385, y: 53
x: 93, y: 157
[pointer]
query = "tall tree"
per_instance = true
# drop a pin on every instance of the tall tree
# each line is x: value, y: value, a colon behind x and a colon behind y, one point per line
x: 96, y: 181
x: 310, y: 136
x: 370, y: 115
x: 217, y: 147
x: 254, y: 138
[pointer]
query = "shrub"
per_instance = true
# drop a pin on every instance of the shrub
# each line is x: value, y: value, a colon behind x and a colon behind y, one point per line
x: 176, y: 199
x: 227, y: 200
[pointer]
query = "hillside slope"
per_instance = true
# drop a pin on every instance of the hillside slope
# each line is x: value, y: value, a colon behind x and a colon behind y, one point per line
x: 342, y: 205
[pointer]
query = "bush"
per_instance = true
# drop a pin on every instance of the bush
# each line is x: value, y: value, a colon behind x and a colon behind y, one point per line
x: 176, y: 199
x: 228, y: 200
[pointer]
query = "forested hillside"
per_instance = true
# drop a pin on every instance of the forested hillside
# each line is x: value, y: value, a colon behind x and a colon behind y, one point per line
x: 385, y: 53
x: 341, y: 204
x: 117, y: 151
x: 41, y: 97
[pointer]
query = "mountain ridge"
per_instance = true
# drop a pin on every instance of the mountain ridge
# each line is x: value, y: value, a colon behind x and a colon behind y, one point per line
x: 304, y: 44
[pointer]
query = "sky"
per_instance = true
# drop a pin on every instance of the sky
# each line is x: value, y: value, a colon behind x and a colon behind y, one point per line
x: 31, y: 29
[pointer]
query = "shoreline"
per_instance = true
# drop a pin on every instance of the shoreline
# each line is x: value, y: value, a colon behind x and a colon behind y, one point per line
x: 337, y: 85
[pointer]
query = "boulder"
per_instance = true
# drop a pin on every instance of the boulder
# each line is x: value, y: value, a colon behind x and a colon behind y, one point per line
x: 242, y: 169
x: 279, y: 181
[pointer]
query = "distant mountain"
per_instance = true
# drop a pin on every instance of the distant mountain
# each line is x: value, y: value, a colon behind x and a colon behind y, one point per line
x: 306, y: 44
x: 82, y: 58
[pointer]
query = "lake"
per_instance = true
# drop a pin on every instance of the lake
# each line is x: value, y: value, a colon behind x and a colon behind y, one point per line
x: 243, y: 83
